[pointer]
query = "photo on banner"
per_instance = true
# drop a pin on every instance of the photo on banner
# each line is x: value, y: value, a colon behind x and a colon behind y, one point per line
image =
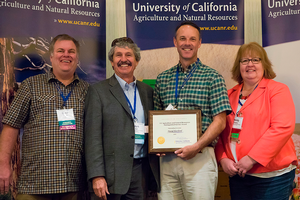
x: 151, y: 24
x: 27, y: 28
x: 281, y: 40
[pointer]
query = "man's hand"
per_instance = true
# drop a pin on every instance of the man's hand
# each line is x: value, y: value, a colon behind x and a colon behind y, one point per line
x: 8, y: 139
x: 100, y: 187
x: 5, y: 177
x: 244, y: 165
x: 187, y: 152
x: 228, y: 166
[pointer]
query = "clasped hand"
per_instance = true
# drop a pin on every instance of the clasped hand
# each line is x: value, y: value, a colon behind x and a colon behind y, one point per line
x: 241, y: 167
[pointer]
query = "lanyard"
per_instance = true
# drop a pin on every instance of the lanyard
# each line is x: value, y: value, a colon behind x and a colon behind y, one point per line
x: 248, y: 95
x: 184, y: 81
x: 65, y: 98
x: 240, y: 102
x: 134, y: 103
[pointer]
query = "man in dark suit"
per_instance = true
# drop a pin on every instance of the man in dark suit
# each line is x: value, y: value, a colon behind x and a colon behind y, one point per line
x: 116, y: 116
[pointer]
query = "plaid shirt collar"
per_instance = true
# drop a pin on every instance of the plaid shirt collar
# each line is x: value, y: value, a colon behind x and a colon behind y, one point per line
x: 198, y: 64
x: 51, y: 77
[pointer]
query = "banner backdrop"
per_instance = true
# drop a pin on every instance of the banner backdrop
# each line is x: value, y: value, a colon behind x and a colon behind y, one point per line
x: 31, y: 24
x: 27, y: 27
x: 281, y: 39
x: 279, y: 20
x: 151, y: 24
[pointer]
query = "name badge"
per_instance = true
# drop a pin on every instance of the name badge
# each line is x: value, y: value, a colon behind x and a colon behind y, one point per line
x: 139, y: 133
x: 66, y: 119
x: 238, y: 121
x: 236, y: 129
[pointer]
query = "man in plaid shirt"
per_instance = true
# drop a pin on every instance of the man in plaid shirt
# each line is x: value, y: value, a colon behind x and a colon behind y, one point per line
x: 50, y: 108
x: 191, y: 172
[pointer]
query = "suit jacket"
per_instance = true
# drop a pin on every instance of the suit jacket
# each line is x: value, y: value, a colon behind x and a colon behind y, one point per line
x: 268, y: 124
x: 109, y: 134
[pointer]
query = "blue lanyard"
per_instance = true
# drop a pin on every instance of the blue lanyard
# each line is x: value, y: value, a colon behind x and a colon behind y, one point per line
x: 240, y: 102
x: 65, y: 98
x: 134, y: 103
x: 248, y: 95
x: 184, y: 81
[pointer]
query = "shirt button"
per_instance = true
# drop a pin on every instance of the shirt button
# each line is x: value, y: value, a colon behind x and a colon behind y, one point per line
x: 131, y: 155
x: 132, y: 137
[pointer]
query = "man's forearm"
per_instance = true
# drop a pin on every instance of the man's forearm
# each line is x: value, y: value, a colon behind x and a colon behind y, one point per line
x: 213, y: 131
x: 8, y: 139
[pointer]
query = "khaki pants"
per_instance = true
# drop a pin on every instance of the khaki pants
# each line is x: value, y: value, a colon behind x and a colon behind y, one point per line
x: 194, y: 179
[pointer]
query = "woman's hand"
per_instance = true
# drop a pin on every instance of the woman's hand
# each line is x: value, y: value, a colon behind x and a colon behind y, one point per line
x: 244, y: 165
x: 228, y: 166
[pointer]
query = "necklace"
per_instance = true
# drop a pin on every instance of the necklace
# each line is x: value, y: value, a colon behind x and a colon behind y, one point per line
x: 243, y: 97
x: 246, y: 97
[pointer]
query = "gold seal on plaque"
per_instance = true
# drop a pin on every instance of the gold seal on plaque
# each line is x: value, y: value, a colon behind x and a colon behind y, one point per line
x: 161, y: 140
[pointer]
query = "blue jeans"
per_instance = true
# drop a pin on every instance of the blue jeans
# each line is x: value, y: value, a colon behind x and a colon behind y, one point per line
x: 254, y: 188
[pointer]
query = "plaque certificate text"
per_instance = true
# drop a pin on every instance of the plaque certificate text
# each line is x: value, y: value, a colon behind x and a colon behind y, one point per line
x: 174, y: 129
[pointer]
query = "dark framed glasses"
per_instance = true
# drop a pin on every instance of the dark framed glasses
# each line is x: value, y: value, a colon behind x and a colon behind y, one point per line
x: 245, y: 61
x: 122, y: 39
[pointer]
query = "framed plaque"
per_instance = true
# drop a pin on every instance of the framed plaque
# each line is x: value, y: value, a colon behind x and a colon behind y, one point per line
x: 170, y: 130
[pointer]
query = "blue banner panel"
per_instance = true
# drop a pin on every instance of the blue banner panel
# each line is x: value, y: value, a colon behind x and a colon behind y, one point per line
x: 151, y: 24
x: 280, y: 21
x: 31, y: 24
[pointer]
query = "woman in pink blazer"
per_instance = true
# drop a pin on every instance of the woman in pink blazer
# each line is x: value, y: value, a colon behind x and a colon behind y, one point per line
x: 256, y: 149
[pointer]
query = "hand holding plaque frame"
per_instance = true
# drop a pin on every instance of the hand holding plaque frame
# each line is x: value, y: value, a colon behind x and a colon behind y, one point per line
x: 170, y: 130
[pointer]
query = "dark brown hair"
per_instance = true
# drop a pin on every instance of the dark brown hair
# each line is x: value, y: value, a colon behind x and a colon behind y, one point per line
x: 63, y: 37
x: 190, y: 24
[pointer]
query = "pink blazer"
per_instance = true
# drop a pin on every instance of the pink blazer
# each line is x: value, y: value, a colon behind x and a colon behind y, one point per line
x: 268, y: 124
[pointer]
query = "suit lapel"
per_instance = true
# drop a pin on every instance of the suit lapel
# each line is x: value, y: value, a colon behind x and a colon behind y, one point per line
x: 118, y: 93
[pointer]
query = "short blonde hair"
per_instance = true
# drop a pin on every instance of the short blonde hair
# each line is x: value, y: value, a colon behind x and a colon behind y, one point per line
x: 253, y: 49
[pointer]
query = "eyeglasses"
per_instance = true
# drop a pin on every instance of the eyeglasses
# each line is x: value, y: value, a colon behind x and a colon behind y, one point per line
x: 245, y: 61
x: 122, y: 39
